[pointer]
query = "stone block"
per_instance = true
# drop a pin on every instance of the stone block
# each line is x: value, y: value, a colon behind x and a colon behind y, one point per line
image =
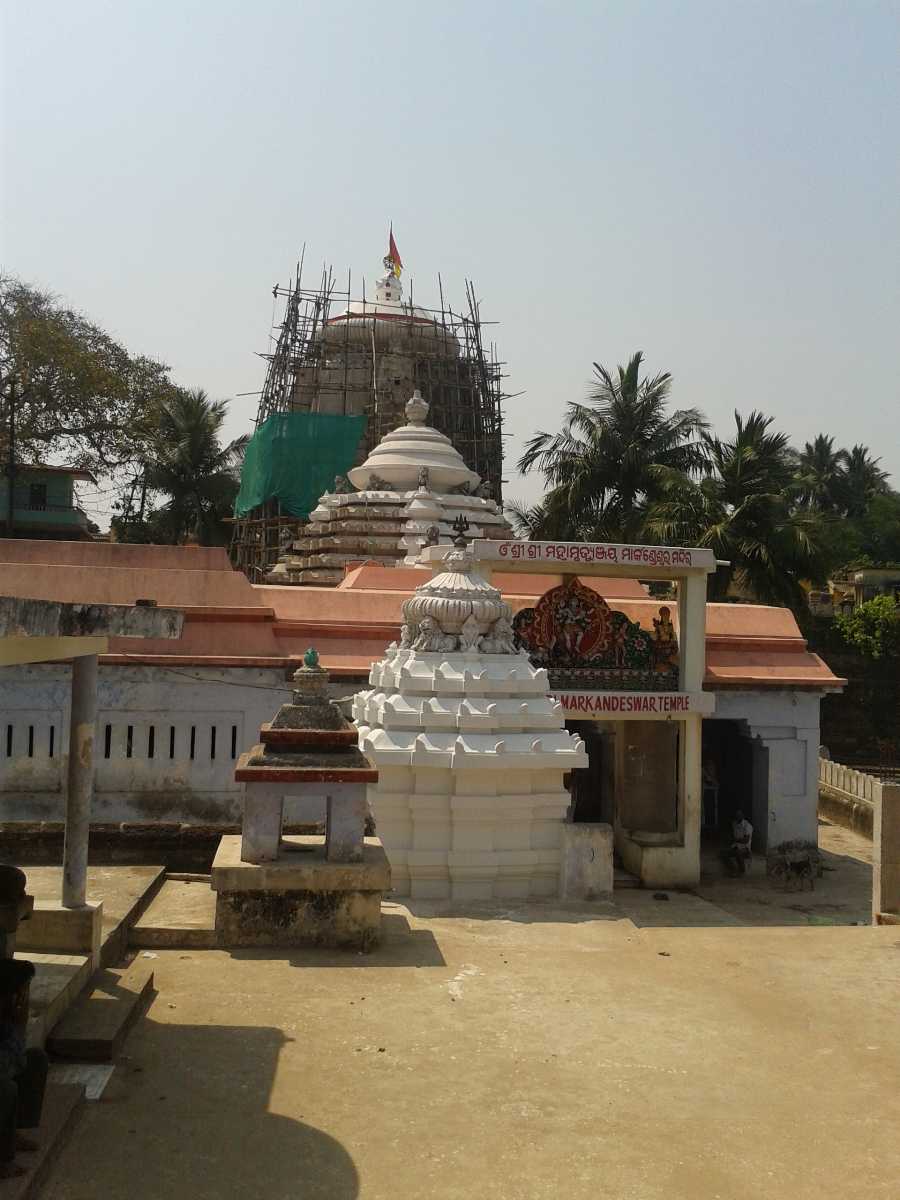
x: 345, y: 824
x: 303, y: 869
x: 54, y: 929
x: 261, y: 830
x: 425, y: 888
x: 302, y: 899
x: 349, y: 919
x: 586, y: 861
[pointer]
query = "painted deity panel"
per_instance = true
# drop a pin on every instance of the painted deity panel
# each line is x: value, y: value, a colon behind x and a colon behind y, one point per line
x: 585, y: 644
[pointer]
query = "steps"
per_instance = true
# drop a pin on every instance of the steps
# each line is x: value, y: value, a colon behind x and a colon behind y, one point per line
x: 62, y: 1102
x: 182, y: 914
x: 94, y: 1028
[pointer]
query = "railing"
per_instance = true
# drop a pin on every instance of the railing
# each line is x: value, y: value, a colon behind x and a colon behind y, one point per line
x: 857, y: 784
x: 886, y: 773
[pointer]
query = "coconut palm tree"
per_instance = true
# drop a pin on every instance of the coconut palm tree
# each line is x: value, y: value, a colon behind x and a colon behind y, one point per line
x: 863, y: 480
x: 821, y: 475
x: 612, y: 457
x: 189, y: 465
x: 744, y: 511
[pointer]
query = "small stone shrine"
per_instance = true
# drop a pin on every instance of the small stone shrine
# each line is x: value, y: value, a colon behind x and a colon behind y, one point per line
x: 277, y: 891
x: 470, y: 747
x: 405, y: 495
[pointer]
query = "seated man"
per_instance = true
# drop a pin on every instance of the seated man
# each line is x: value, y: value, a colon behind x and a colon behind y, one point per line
x: 23, y: 1073
x: 739, y: 855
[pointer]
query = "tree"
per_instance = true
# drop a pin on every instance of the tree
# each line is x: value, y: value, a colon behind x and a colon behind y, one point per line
x: 873, y: 627
x: 187, y: 463
x: 821, y: 476
x: 743, y: 510
x: 68, y: 389
x: 611, y: 458
x: 863, y: 480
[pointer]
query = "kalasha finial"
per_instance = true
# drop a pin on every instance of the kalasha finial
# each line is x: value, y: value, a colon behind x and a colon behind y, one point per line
x: 416, y: 408
x: 310, y: 680
x: 460, y: 528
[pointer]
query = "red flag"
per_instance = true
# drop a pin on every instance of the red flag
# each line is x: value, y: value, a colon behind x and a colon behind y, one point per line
x: 394, y: 255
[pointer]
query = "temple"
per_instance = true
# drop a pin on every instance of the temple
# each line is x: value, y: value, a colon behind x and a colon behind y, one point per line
x: 471, y: 750
x: 406, y: 494
x: 337, y: 384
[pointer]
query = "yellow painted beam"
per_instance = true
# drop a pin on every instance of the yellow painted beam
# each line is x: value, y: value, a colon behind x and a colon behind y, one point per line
x: 14, y: 650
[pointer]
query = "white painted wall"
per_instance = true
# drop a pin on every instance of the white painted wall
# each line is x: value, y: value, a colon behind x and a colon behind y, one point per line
x: 785, y: 727
x: 201, y: 718
x: 201, y: 790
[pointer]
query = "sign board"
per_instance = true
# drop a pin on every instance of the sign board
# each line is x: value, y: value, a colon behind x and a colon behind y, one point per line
x: 589, y: 558
x: 642, y: 706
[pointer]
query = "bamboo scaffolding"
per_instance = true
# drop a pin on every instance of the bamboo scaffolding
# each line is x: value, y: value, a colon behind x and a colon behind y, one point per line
x: 459, y: 375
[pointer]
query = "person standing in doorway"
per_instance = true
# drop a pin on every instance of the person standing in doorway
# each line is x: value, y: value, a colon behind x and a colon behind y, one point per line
x: 739, y: 854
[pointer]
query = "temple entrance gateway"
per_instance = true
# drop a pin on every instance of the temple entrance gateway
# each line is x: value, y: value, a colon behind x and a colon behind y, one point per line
x: 628, y: 677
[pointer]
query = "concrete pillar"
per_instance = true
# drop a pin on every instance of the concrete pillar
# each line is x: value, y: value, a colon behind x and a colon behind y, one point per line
x: 692, y: 631
x: 80, y: 789
x: 886, y: 855
x: 262, y: 825
x: 691, y: 794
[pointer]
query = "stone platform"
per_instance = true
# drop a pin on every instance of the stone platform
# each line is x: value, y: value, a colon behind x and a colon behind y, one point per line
x: 301, y: 899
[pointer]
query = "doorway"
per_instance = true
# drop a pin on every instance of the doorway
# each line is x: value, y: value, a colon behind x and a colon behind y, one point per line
x: 727, y: 774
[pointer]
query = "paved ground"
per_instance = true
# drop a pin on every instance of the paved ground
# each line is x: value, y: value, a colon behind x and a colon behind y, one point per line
x: 514, y: 1052
x: 842, y: 896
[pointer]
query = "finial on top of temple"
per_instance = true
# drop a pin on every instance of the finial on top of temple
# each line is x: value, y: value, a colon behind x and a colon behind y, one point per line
x: 310, y: 680
x: 416, y: 408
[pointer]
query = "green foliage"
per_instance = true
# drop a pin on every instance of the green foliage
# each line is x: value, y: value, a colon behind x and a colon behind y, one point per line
x: 191, y: 478
x: 611, y: 458
x: 743, y: 511
x: 76, y: 393
x: 873, y: 628
x: 623, y: 469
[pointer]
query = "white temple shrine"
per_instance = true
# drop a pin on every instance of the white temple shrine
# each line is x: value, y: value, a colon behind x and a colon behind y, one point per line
x: 406, y: 495
x: 470, y: 747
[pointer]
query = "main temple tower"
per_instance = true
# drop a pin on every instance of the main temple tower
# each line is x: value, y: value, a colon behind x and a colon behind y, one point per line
x: 342, y: 370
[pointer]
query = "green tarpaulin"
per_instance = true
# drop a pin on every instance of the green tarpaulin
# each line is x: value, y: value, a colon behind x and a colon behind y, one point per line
x: 294, y: 456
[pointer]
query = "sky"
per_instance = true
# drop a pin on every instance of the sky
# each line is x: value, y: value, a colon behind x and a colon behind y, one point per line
x: 713, y: 183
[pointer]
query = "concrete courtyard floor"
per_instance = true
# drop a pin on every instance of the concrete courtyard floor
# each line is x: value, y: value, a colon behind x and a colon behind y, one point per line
x: 519, y: 1052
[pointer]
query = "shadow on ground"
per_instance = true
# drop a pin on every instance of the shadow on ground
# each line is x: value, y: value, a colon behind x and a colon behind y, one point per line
x: 401, y: 946
x: 211, y: 1135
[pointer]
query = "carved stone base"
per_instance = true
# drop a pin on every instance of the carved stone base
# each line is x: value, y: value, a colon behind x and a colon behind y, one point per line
x: 300, y: 900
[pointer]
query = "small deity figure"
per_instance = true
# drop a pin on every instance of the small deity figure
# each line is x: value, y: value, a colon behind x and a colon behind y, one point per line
x: 342, y: 485
x: 375, y: 483
x: 470, y: 634
x: 423, y: 479
x: 500, y: 638
x: 619, y: 638
x: 572, y: 618
x: 432, y: 535
x: 485, y: 490
x: 406, y: 637
x: 432, y: 638
x: 665, y: 643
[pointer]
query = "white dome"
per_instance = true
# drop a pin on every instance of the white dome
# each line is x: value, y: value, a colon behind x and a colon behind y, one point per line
x: 400, y: 455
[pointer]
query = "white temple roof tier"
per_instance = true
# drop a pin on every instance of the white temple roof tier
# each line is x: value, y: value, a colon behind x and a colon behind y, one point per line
x: 402, y: 455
